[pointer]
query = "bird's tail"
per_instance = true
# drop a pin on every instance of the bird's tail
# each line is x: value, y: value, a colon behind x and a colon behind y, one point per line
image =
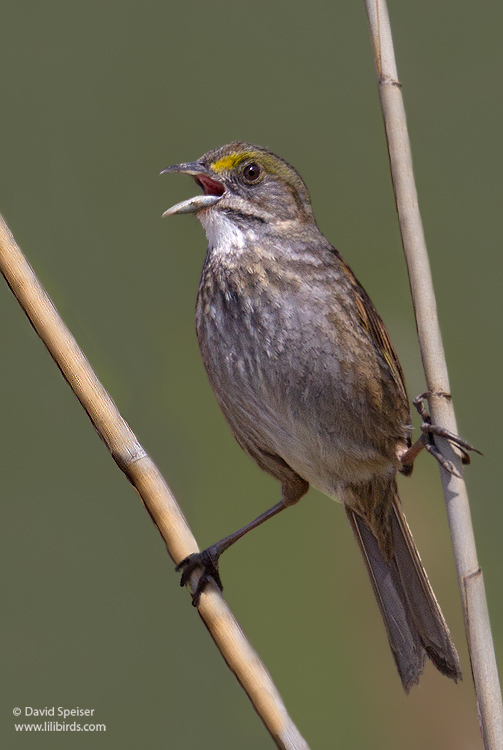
x: 413, y: 620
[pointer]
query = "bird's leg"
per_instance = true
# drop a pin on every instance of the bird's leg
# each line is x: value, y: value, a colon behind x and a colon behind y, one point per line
x: 207, y: 560
x: 427, y: 439
x: 425, y: 442
x: 408, y: 457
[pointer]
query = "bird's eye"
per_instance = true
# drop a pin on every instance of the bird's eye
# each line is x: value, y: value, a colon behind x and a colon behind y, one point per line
x: 251, y: 172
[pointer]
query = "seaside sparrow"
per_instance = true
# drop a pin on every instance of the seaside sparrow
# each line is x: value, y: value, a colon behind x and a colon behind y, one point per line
x: 308, y: 381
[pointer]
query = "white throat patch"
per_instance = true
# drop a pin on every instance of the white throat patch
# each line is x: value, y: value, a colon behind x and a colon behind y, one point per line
x: 222, y: 233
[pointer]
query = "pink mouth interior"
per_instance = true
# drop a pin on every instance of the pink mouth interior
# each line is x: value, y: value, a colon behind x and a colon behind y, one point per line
x: 210, y: 187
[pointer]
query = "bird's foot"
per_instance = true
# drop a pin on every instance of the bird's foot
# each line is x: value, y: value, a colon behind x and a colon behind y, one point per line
x: 431, y: 430
x: 205, y: 561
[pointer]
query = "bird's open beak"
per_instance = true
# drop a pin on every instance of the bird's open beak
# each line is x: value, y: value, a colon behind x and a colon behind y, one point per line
x: 213, y: 190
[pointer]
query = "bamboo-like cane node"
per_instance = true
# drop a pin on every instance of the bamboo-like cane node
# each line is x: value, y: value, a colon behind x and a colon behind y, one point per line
x: 150, y: 485
x: 471, y: 582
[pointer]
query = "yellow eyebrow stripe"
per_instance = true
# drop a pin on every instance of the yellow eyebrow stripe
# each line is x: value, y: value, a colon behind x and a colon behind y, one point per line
x: 226, y: 163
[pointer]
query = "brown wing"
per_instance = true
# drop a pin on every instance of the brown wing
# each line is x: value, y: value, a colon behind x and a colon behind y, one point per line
x: 374, y: 326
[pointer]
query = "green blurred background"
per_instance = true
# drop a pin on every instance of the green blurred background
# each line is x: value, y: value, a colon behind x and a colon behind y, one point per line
x: 97, y: 98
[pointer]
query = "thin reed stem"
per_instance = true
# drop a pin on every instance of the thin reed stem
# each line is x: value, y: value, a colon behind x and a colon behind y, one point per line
x: 151, y: 486
x: 471, y: 583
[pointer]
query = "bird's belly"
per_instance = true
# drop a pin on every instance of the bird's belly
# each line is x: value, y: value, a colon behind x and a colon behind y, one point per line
x: 337, y: 467
x: 288, y: 393
x: 325, y: 457
x: 322, y: 448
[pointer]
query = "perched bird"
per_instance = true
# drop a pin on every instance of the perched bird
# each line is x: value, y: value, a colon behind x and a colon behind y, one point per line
x: 308, y: 381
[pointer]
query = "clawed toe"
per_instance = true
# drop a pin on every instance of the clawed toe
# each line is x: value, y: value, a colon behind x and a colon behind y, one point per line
x: 431, y: 430
x: 444, y: 462
x: 463, y: 445
x: 205, y: 561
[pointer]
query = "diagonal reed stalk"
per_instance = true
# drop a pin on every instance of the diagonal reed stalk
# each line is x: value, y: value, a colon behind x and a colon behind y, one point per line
x: 471, y: 582
x: 150, y: 485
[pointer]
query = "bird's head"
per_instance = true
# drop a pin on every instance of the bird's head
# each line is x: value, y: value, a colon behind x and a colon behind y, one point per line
x: 246, y: 183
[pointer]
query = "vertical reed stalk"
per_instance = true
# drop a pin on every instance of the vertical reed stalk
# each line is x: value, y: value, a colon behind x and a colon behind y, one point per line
x: 471, y: 583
